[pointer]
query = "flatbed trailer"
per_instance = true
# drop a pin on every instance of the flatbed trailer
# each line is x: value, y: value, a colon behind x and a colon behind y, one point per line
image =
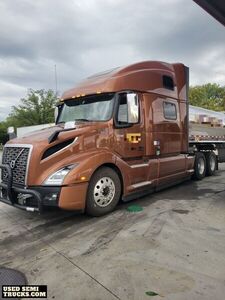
x: 209, y: 136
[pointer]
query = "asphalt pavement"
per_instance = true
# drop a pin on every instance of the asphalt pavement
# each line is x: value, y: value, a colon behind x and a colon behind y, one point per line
x: 174, y: 247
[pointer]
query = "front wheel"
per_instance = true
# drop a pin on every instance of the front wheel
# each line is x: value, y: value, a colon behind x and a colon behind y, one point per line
x: 103, y: 192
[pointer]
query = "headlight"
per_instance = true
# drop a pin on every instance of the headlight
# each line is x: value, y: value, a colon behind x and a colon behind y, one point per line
x: 58, y: 177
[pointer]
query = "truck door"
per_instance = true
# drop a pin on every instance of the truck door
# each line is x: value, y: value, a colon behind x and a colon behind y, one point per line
x: 129, y: 137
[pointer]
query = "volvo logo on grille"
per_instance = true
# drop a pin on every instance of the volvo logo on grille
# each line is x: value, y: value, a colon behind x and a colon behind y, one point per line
x: 12, y: 164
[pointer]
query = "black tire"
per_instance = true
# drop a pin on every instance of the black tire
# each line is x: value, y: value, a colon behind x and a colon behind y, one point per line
x: 199, y: 166
x: 211, y: 163
x: 104, y: 192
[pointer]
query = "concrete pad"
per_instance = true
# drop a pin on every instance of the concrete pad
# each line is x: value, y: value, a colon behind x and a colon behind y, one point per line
x: 175, y: 247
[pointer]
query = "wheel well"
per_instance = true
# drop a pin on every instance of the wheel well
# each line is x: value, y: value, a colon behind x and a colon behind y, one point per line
x: 205, y: 147
x: 116, y: 169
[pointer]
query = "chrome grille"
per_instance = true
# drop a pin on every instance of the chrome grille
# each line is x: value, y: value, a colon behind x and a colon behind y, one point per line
x: 17, y: 158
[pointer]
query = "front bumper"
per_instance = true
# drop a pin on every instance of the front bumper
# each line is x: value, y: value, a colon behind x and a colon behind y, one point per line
x: 30, y: 199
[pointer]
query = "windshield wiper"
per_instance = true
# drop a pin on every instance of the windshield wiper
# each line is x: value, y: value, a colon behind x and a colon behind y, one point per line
x: 84, y: 120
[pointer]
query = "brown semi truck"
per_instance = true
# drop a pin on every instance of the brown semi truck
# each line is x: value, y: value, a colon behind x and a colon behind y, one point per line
x: 120, y: 134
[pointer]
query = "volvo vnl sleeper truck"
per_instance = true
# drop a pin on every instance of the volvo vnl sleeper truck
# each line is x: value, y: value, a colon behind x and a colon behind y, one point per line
x: 119, y: 134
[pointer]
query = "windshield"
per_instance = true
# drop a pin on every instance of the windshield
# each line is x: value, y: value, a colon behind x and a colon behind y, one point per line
x: 89, y: 108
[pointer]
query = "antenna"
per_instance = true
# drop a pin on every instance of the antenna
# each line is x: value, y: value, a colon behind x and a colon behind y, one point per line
x: 56, y: 82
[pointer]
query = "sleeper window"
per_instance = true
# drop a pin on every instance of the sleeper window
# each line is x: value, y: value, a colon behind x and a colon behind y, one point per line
x: 170, y: 111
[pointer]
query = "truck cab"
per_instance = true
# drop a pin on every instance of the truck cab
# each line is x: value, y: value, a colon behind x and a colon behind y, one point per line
x: 119, y: 134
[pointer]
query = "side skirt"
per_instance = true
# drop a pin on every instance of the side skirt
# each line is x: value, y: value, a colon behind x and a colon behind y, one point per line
x: 144, y: 192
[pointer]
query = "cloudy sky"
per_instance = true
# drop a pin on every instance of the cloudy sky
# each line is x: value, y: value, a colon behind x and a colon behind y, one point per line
x: 82, y: 37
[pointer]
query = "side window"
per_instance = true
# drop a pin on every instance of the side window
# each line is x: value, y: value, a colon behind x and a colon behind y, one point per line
x: 170, y: 111
x: 168, y: 82
x: 128, y: 110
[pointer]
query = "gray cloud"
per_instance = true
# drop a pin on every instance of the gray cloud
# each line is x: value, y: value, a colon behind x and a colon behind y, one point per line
x: 86, y: 36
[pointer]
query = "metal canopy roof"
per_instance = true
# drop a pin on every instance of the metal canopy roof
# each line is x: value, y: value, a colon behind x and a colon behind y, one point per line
x: 215, y: 8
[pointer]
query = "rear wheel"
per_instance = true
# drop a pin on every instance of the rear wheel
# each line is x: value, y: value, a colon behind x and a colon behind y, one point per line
x: 211, y: 163
x: 103, y: 192
x: 199, y: 166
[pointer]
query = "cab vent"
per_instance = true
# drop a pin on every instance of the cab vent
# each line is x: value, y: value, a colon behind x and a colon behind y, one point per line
x: 56, y: 148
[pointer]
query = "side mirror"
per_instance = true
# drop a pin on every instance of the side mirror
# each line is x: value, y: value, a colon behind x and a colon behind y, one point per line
x: 128, y: 110
x: 11, y: 132
x: 132, y: 108
x: 56, y: 112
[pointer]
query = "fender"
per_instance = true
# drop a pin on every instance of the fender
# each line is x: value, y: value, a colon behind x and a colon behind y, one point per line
x: 88, y: 163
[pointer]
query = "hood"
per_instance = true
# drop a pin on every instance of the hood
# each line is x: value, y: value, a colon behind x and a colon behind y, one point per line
x: 68, y: 148
x: 41, y: 136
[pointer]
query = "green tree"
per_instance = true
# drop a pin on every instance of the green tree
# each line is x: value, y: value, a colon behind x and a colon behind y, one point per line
x: 210, y: 96
x: 3, y: 133
x: 37, y: 108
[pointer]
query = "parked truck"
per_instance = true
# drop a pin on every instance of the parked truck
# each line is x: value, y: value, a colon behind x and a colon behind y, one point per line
x: 120, y: 134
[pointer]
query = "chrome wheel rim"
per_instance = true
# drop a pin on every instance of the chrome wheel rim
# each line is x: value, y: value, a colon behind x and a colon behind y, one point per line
x: 201, y: 165
x: 104, y: 191
x: 212, y: 163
